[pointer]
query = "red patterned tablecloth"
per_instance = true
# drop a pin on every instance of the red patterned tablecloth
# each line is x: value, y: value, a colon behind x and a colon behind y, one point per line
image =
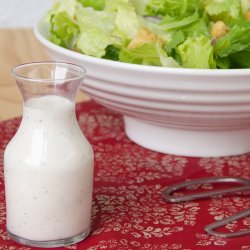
x: 128, y: 210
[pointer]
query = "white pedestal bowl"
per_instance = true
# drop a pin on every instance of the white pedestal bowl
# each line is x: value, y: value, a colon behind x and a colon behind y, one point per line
x: 203, y: 113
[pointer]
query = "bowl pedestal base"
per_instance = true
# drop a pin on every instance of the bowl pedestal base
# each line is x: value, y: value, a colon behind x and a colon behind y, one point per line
x: 187, y: 142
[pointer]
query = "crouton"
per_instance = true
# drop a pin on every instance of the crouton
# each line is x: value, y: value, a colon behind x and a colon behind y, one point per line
x: 219, y: 30
x: 145, y: 36
x: 247, y: 15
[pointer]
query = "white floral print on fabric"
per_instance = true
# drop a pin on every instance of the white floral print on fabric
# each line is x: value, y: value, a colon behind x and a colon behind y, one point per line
x: 129, y: 212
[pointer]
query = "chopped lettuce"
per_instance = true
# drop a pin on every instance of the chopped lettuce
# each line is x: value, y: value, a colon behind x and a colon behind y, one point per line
x: 95, y: 4
x: 63, y: 30
x: 166, y: 33
x: 169, y: 23
x: 237, y: 39
x: 112, y: 53
x: 68, y: 6
x: 174, y: 8
x: 156, y: 8
x: 245, y: 5
x: 241, y: 59
x: 126, y: 20
x: 140, y: 6
x: 96, y: 31
x: 147, y: 54
x: 177, y: 38
x: 90, y: 44
x: 234, y: 48
x: 197, y: 53
x: 196, y: 28
x: 87, y: 18
x: 224, y: 10
x: 237, y: 60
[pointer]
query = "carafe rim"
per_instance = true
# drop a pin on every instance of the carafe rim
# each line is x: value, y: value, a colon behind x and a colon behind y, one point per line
x: 81, y: 70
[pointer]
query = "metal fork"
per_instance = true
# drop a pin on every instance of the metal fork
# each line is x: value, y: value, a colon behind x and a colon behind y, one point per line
x: 210, y: 229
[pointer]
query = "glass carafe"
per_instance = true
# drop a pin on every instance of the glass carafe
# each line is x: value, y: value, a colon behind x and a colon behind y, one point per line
x: 48, y: 164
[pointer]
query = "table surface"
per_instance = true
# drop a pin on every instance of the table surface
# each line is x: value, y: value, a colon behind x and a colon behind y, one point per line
x: 128, y: 211
x: 17, y: 46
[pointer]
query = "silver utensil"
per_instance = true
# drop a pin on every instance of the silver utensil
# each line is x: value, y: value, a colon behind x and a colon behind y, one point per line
x: 210, y: 229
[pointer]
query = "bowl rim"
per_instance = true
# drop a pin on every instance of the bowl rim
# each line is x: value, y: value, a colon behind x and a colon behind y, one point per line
x: 37, y: 31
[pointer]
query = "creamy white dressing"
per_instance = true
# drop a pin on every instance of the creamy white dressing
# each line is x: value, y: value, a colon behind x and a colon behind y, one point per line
x: 48, y: 173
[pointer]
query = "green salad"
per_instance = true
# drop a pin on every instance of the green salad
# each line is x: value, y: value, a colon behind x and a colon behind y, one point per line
x: 205, y: 34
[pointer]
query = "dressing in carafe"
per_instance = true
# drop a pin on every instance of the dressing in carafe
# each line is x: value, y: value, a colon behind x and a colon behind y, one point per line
x: 48, y: 165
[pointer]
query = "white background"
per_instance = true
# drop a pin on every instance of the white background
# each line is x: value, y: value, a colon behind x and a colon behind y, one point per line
x: 22, y: 13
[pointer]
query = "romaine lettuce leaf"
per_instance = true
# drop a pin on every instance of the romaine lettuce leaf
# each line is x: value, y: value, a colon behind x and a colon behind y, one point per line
x: 238, y: 39
x: 241, y: 59
x: 170, y: 23
x: 87, y: 18
x: 197, y: 53
x: 95, y: 4
x: 174, y: 8
x: 245, y: 5
x: 156, y: 7
x: 224, y: 10
x: 147, y: 54
x: 196, y: 28
x: 140, y: 6
x: 63, y: 30
x: 178, y: 37
x: 92, y: 44
x: 96, y: 31
x: 223, y: 62
x: 126, y: 21
x: 238, y: 60
x: 68, y: 6
x: 112, y: 53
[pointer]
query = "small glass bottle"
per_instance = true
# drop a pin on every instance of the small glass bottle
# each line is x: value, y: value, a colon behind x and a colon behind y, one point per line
x: 48, y: 164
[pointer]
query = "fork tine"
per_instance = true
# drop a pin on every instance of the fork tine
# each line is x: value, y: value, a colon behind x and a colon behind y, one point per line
x: 210, y: 229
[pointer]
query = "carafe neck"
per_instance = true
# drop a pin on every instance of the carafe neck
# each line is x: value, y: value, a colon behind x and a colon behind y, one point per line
x: 37, y: 80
